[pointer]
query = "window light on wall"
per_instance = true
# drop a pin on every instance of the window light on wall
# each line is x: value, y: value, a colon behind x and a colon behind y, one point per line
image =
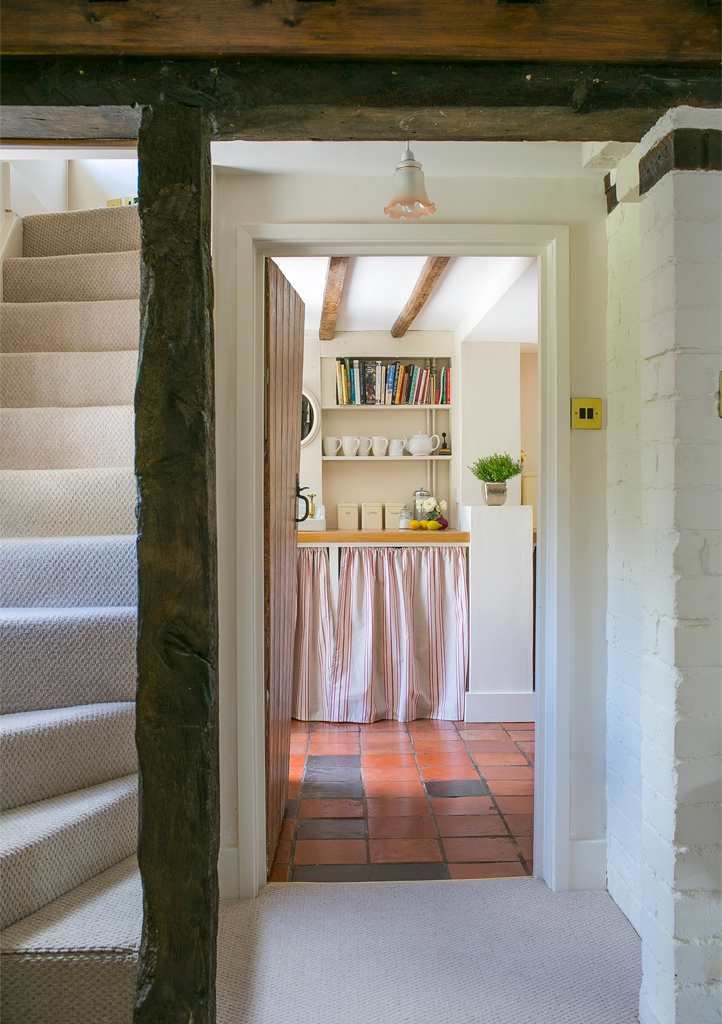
x: 409, y: 199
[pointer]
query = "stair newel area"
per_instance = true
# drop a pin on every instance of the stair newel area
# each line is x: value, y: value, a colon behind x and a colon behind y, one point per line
x: 177, y: 727
x: 69, y: 328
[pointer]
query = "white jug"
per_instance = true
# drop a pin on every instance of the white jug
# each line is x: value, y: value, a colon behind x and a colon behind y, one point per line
x: 396, y: 445
x: 422, y: 444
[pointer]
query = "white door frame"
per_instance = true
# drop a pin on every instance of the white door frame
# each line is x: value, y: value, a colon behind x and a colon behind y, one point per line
x: 245, y: 869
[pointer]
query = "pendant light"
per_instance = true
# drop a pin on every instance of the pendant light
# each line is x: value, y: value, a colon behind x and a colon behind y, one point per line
x: 409, y: 199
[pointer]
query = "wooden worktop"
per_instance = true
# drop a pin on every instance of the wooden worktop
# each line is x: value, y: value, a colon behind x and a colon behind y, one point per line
x: 350, y: 537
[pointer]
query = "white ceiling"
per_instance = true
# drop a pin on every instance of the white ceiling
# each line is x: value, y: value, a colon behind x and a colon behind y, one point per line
x: 378, y: 159
x: 467, y: 295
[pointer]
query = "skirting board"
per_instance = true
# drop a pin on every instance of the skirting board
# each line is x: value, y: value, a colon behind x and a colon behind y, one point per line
x: 588, y: 865
x: 500, y: 707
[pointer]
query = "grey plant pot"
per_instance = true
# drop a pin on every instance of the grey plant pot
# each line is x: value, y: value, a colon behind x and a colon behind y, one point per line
x: 495, y: 494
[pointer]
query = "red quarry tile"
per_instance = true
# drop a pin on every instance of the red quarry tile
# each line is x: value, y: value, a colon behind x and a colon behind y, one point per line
x: 528, y: 726
x: 439, y: 749
x: 492, y: 746
x: 391, y: 774
x: 387, y: 761
x: 431, y: 725
x: 494, y: 758
x: 477, y: 849
x: 298, y: 760
x: 526, y: 747
x: 508, y: 772
x: 511, y: 787
x: 403, y: 851
x: 278, y: 873
x: 383, y: 808
x: 443, y: 757
x: 295, y: 774
x: 483, y: 732
x: 520, y: 824
x: 386, y: 739
x: 332, y: 809
x: 517, y: 734
x: 451, y: 825
x: 287, y: 826
x: 283, y: 852
x: 387, y: 725
x: 508, y: 869
x: 294, y: 788
x: 402, y: 828
x: 462, y: 805
x: 334, y: 727
x: 322, y: 743
x: 394, y: 790
x: 330, y: 851
x: 438, y: 773
x: 526, y: 845
x: 515, y: 804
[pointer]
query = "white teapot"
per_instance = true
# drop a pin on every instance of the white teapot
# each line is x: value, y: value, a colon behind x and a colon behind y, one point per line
x: 422, y: 444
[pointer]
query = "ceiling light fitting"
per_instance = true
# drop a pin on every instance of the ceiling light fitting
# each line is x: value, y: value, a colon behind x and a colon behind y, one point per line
x: 409, y: 199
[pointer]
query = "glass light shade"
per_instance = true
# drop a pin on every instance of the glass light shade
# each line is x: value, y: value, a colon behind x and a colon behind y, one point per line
x: 409, y: 199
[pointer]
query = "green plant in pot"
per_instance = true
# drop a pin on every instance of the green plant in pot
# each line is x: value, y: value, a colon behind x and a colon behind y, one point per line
x: 494, y: 471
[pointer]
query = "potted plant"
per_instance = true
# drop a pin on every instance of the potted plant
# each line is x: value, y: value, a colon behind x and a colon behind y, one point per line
x: 494, y: 471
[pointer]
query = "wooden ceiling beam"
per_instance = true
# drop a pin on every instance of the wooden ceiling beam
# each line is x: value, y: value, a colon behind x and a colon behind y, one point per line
x: 335, y: 276
x: 428, y: 277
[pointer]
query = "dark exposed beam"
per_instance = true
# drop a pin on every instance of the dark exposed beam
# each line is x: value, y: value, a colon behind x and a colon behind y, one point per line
x: 291, y: 99
x: 337, y: 267
x: 430, y: 274
x: 177, y: 709
x: 555, y: 30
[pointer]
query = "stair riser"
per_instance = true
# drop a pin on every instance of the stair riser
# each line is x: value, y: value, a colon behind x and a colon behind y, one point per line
x: 60, y: 573
x: 67, y: 658
x: 113, y: 229
x: 44, y: 754
x: 87, y: 438
x: 113, y: 275
x: 61, y: 857
x: 68, y: 989
x: 67, y: 379
x: 67, y: 503
x: 70, y: 326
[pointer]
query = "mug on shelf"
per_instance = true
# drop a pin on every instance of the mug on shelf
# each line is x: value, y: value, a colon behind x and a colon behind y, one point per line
x: 365, y: 446
x: 331, y: 445
x: 350, y: 445
x: 379, y: 445
x: 396, y: 446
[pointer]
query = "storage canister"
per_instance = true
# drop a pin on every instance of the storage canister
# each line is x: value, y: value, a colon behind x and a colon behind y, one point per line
x: 392, y: 511
x: 347, y: 514
x: 372, y: 515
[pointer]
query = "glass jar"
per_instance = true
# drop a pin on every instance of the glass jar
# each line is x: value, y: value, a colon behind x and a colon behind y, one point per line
x: 420, y: 497
x: 404, y: 518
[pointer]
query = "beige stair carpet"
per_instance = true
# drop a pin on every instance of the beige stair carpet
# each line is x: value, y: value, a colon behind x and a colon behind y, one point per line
x: 32, y: 379
x: 67, y: 502
x: 80, y: 438
x: 109, y: 229
x: 47, y: 753
x: 101, y: 326
x: 108, y: 275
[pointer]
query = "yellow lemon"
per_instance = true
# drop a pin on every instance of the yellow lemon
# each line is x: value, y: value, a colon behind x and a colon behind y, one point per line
x: 414, y: 524
x: 424, y: 525
x: 433, y: 524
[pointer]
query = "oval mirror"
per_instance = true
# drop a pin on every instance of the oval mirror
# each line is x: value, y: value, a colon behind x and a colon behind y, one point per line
x: 310, y: 418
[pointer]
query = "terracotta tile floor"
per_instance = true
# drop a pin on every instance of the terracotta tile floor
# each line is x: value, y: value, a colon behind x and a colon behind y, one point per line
x: 407, y: 801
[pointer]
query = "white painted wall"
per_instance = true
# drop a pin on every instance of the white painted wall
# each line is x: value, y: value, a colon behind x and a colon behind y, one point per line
x: 529, y: 409
x: 37, y: 186
x: 578, y: 203
x: 91, y: 183
x: 624, y: 582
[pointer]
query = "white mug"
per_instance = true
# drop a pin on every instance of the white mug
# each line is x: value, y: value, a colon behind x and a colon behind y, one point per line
x: 350, y: 445
x: 331, y: 445
x: 379, y: 445
x: 365, y: 446
x: 396, y: 446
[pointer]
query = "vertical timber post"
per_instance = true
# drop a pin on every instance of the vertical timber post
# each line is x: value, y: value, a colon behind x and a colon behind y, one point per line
x: 177, y: 709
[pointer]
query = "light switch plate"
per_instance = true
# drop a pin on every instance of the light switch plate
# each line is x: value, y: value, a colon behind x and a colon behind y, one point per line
x: 586, y: 414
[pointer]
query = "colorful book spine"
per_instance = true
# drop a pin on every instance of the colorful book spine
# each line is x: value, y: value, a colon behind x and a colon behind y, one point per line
x: 340, y: 392
x: 448, y: 386
x: 389, y: 383
x: 414, y: 386
x: 370, y: 381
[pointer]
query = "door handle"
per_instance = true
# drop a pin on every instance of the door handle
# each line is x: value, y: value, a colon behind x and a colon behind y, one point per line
x: 303, y: 497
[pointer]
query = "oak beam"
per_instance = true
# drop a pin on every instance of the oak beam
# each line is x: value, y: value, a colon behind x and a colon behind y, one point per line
x: 430, y: 274
x: 177, y: 707
x: 335, y: 276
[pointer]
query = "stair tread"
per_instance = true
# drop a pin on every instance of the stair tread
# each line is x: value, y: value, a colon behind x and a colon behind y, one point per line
x: 85, y: 437
x: 67, y: 379
x: 83, y: 326
x: 81, y: 231
x: 77, y: 277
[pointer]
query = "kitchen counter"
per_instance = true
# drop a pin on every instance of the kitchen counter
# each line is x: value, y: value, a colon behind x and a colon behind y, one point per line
x: 392, y: 537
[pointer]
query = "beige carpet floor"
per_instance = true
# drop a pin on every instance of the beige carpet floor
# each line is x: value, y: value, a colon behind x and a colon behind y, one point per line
x: 497, y: 951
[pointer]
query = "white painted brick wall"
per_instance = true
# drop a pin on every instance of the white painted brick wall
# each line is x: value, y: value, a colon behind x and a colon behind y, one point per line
x: 681, y: 596
x: 624, y: 607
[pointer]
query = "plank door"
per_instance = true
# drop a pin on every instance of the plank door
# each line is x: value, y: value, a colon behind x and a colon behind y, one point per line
x: 284, y: 382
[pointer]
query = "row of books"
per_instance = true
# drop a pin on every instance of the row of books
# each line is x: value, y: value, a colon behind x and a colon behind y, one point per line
x: 373, y: 382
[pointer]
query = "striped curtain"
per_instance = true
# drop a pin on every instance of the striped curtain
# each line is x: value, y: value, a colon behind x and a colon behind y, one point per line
x: 314, y: 637
x: 400, y: 649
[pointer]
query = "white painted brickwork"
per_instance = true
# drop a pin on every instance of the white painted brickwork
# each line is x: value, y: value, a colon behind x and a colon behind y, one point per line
x: 624, y: 576
x: 681, y: 589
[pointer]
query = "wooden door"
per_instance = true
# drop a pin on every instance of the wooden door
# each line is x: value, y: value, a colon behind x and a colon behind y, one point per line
x: 284, y: 382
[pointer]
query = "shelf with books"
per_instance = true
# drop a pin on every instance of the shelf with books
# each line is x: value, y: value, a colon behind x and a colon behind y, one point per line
x: 388, y: 408
x: 386, y: 383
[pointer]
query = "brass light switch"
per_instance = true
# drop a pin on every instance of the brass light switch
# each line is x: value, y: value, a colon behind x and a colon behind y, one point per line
x: 586, y: 414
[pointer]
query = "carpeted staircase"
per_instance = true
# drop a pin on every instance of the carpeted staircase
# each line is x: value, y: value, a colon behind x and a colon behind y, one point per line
x: 68, y: 594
